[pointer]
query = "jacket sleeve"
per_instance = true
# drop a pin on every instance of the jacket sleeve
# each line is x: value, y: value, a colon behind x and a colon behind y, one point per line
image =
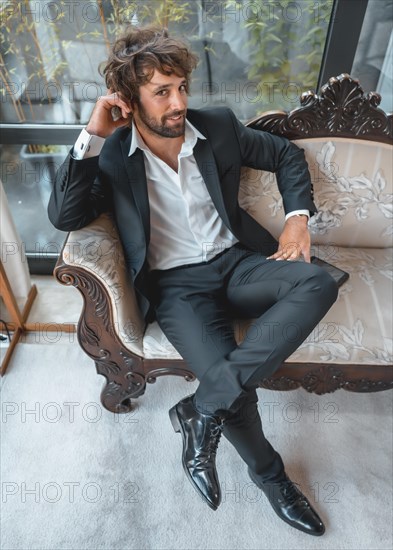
x: 79, y: 194
x: 265, y: 151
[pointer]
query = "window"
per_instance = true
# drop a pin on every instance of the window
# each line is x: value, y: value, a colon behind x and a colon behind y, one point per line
x: 373, y: 63
x: 255, y: 55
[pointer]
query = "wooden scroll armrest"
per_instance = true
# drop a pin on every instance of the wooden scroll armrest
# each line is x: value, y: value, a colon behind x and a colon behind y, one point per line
x: 92, y: 260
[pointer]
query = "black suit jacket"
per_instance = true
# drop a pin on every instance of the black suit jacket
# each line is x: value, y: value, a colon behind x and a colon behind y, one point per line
x: 115, y: 182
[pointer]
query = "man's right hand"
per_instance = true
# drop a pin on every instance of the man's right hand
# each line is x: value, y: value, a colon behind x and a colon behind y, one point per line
x: 101, y: 122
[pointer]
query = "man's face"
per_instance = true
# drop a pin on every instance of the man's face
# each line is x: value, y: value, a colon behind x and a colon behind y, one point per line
x: 162, y: 106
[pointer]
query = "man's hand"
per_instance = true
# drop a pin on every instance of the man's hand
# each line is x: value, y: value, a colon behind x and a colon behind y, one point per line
x: 294, y: 241
x: 101, y: 122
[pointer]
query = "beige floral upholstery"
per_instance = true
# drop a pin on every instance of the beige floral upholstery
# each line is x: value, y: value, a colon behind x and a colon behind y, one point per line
x: 353, y: 192
x: 352, y: 229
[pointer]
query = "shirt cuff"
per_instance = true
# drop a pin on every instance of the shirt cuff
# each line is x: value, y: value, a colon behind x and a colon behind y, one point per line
x: 298, y: 213
x: 87, y: 145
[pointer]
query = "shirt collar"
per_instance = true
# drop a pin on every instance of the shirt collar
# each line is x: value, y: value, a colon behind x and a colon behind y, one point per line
x: 190, y: 139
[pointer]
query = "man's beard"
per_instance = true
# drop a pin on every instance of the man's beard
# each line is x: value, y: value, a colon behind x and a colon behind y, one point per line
x: 159, y: 128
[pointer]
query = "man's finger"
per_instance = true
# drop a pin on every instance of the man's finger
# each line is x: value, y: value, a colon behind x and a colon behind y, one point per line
x: 284, y: 254
x: 307, y: 256
x: 290, y: 251
x: 116, y: 105
x: 279, y: 255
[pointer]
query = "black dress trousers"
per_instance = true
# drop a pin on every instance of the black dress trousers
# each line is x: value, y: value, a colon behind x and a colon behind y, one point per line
x: 196, y: 306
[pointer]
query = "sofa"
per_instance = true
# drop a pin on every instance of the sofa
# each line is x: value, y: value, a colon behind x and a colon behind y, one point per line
x: 348, y: 143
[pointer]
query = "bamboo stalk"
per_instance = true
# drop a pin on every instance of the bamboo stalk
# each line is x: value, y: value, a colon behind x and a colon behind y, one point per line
x: 17, y: 104
x: 39, y: 51
x: 103, y: 22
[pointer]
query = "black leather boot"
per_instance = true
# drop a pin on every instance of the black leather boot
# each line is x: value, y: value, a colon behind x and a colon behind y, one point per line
x: 201, y: 434
x: 290, y: 504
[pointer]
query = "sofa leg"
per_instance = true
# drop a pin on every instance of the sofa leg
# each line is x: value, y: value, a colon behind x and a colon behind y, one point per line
x: 122, y: 385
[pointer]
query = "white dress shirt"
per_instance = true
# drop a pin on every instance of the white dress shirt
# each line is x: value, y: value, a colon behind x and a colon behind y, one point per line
x: 185, y: 227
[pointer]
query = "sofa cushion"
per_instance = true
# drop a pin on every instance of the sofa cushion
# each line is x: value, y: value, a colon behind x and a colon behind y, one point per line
x: 353, y: 186
x: 356, y: 330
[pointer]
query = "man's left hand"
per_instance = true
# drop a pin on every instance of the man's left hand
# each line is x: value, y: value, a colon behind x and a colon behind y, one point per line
x: 294, y: 241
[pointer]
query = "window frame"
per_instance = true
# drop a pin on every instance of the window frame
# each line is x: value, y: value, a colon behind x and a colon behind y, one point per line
x: 340, y: 46
x: 338, y: 56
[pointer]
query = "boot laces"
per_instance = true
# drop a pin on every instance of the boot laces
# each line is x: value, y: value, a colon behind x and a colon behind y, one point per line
x: 291, y: 492
x: 215, y: 435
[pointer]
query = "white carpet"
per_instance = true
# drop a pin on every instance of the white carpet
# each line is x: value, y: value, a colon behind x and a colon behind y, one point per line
x: 77, y: 477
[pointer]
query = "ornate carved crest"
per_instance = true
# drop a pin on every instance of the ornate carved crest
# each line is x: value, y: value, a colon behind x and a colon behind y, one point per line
x: 342, y: 109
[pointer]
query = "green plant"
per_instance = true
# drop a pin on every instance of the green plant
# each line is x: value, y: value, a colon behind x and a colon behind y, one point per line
x: 35, y: 40
x: 286, y: 46
x: 167, y: 12
x: 164, y: 13
x: 273, y: 29
x: 30, y: 61
x: 45, y: 149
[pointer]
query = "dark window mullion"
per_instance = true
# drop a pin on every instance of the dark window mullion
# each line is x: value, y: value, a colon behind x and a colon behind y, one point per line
x: 342, y: 39
x: 39, y: 134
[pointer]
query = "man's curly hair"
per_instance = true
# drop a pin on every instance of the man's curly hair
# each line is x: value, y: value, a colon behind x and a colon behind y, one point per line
x: 140, y: 51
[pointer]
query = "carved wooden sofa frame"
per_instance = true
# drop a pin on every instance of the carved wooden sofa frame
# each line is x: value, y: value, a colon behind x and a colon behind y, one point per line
x: 340, y: 112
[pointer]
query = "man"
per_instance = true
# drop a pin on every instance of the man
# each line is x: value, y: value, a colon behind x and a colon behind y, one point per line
x: 171, y: 178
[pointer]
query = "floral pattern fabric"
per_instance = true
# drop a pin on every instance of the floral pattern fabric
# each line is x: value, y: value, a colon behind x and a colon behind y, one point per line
x: 353, y: 186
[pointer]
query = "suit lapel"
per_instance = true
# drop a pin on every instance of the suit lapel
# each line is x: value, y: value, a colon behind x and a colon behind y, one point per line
x: 207, y: 165
x: 137, y: 179
x: 135, y: 167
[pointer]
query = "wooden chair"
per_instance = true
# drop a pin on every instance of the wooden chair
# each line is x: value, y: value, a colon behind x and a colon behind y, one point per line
x: 348, y: 144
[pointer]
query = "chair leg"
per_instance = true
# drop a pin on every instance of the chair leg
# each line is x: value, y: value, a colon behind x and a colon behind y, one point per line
x: 123, y: 370
x: 122, y: 382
